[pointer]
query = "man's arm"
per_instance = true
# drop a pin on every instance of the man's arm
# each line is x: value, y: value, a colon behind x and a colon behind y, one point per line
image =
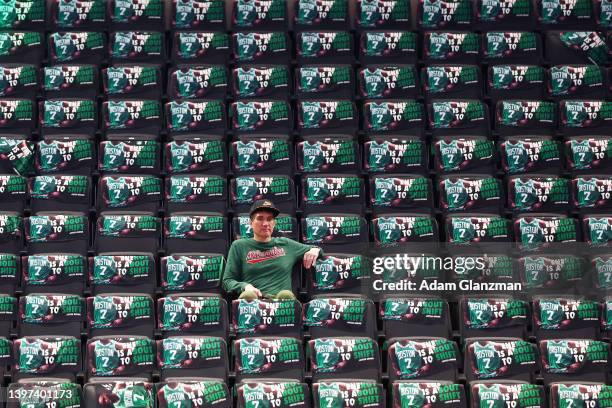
x: 231, y: 282
x: 308, y: 253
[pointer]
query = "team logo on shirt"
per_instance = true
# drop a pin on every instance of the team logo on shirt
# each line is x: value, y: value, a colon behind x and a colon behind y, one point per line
x: 254, y: 257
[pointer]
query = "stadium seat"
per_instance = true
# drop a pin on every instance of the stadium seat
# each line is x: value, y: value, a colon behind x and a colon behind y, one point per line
x: 334, y: 358
x: 62, y: 116
x: 334, y: 393
x: 398, y: 228
x: 54, y: 272
x: 395, y: 154
x: 322, y: 81
x: 574, y: 360
x: 332, y: 192
x: 269, y: 154
x: 335, y: 232
x: 46, y: 357
x: 188, y: 231
x: 267, y: 317
x: 451, y: 81
x: 6, y: 356
x: 192, y: 356
x: 576, y: 393
x: 138, y: 46
x: 195, y: 47
x: 127, y: 231
x: 398, y: 46
x: 340, y: 315
x: 129, y: 193
x: 400, y: 192
x: 327, y: 154
x: 499, y: 392
x: 515, y: 157
x: 405, y: 314
x: 18, y: 115
x: 565, y: 317
x: 589, y: 193
x: 191, y: 116
x: 406, y: 393
x: 576, y: 81
x: 584, y: 154
x: 458, y: 194
x: 515, y: 82
x: 195, y: 154
x: 133, y: 391
x: 493, y: 316
x: 116, y: 356
x: 193, y: 391
x: 70, y: 81
x: 516, y: 47
x: 55, y: 192
x: 336, y: 273
x: 128, y: 80
x: 56, y: 232
x: 575, y: 47
x: 268, y: 357
x: 51, y: 314
x: 64, y: 153
x: 465, y: 153
x: 49, y: 390
x: 132, y: 115
x: 531, y: 193
x: 284, y: 392
x: 182, y: 272
x: 121, y: 314
x: 551, y: 272
x: 596, y: 230
x: 423, y: 358
x: 503, y: 358
x: 401, y: 117
x: 123, y: 272
x: 197, y: 81
x: 192, y: 314
x: 195, y: 193
x: 322, y: 117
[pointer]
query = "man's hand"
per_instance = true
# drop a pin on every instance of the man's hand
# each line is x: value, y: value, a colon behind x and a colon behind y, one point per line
x: 310, y: 257
x: 253, y: 289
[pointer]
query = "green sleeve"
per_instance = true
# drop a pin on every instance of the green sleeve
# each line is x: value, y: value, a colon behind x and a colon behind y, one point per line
x: 231, y: 277
x: 299, y: 249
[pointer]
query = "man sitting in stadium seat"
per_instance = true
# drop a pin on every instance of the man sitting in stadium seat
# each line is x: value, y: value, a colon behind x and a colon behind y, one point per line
x: 262, y: 266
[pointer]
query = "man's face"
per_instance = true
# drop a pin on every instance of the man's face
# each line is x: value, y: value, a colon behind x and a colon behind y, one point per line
x: 263, y: 223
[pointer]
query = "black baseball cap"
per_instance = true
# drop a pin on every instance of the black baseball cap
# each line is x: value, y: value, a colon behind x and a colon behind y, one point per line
x: 264, y: 205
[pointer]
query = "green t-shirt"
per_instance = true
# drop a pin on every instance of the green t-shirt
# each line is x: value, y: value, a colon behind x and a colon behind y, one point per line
x: 267, y: 266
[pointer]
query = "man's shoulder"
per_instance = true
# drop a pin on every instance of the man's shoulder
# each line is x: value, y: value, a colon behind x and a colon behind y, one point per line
x: 241, y: 243
x: 283, y: 241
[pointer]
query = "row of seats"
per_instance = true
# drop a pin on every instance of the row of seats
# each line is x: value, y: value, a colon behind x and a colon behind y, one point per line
x: 332, y: 274
x: 385, y: 193
x: 334, y: 232
x: 408, y: 358
x: 551, y: 317
x: 304, y: 14
x: 555, y: 47
x: 252, y: 154
x: 373, y: 81
x: 442, y: 117
x: 325, y: 393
